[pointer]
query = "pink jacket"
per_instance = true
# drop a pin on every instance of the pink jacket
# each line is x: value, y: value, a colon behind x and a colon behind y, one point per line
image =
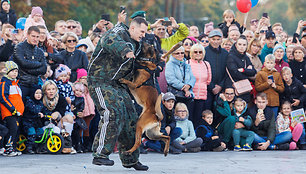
x: 89, y: 108
x: 202, y: 73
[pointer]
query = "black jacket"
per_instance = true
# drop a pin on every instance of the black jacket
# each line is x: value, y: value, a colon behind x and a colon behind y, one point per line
x: 60, y: 107
x: 295, y: 91
x: 31, y: 62
x: 217, y: 60
x: 6, y: 50
x: 224, y: 28
x: 266, y: 128
x: 205, y: 131
x: 75, y: 60
x: 299, y: 70
x: 79, y: 105
x: 9, y: 17
x: 235, y: 60
x: 168, y: 119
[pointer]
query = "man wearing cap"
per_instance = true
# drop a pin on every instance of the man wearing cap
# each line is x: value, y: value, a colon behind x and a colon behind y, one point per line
x: 269, y: 46
x: 216, y: 56
x: 112, y: 60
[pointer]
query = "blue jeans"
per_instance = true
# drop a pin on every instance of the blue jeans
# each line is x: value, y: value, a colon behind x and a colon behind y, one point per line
x: 248, y: 135
x: 280, y: 138
x: 156, y: 145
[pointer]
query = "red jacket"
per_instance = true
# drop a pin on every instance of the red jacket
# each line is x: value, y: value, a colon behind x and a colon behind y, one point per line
x: 11, y: 97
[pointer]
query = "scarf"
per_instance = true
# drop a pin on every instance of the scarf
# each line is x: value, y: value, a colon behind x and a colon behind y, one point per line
x: 177, y: 118
x: 50, y: 104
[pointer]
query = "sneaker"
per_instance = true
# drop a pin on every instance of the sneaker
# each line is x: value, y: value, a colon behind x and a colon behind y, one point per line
x: 194, y: 150
x: 18, y: 153
x: 218, y: 149
x: 73, y: 151
x: 2, y: 150
x: 247, y: 147
x: 102, y: 161
x: 284, y: 146
x: 237, y: 148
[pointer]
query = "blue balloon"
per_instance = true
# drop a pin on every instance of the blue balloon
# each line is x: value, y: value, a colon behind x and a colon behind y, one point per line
x: 254, y: 3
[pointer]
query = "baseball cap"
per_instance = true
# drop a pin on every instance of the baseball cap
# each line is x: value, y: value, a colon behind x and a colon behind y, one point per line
x: 168, y: 96
x: 215, y: 33
x: 270, y: 34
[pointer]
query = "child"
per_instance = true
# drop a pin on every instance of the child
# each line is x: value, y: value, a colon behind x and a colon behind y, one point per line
x: 77, y: 108
x: 294, y: 92
x: 35, y: 19
x: 229, y: 19
x: 64, y: 88
x: 32, y: 123
x: 11, y: 105
x: 285, y: 123
x: 187, y: 142
x: 2, y: 69
x: 7, y: 15
x: 43, y: 78
x: 243, y: 123
x: 269, y: 81
x: 209, y: 135
x: 168, y: 125
x: 89, y: 109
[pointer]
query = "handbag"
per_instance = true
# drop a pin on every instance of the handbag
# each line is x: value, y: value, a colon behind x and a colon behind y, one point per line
x: 241, y: 86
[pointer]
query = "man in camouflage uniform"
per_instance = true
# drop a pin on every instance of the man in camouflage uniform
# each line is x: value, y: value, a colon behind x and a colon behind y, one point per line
x: 112, y: 60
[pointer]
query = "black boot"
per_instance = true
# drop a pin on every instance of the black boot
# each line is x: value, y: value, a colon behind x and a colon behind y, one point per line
x: 138, y: 166
x: 86, y: 146
x: 102, y: 161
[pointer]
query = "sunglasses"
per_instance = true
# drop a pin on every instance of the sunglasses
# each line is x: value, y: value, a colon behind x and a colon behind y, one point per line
x: 69, y: 41
x: 198, y: 52
x: 186, y: 44
x: 70, y: 27
x: 263, y: 31
x: 204, y: 41
x: 177, y: 53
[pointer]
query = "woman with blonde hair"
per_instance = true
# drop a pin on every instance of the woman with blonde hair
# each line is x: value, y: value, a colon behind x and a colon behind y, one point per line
x: 227, y: 44
x: 253, y: 51
x: 202, y: 71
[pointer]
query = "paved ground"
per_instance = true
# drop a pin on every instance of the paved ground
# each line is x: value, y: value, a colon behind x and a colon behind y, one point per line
x: 269, y: 162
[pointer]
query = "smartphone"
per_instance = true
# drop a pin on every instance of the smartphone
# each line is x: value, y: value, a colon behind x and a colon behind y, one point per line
x: 265, y: 15
x: 271, y: 77
x: 166, y: 23
x: 105, y: 17
x: 122, y: 8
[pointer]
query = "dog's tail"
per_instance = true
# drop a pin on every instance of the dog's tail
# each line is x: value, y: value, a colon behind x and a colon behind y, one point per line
x: 159, y: 113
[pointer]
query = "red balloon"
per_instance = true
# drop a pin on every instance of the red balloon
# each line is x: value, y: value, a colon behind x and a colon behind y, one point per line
x: 244, y: 6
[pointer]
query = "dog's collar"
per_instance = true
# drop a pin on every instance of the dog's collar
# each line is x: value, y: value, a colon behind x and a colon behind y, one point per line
x: 146, y: 59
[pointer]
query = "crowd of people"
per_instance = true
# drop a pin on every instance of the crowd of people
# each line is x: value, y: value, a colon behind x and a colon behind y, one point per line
x: 44, y: 72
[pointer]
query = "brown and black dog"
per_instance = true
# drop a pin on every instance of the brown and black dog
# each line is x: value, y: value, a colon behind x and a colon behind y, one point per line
x: 147, y: 96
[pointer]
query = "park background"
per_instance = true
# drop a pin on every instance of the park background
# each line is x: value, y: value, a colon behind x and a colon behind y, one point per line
x: 192, y: 12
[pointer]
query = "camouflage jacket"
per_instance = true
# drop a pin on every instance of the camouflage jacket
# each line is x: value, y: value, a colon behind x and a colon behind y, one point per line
x: 108, y: 61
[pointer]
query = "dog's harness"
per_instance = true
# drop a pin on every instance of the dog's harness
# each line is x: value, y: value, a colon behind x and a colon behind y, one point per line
x: 151, y: 80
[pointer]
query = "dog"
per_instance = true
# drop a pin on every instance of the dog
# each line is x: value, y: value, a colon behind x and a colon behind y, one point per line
x: 143, y: 89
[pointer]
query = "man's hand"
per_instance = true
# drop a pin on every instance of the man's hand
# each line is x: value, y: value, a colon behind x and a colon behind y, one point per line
x: 122, y: 17
x: 130, y: 55
x: 216, y: 89
x: 273, y: 85
x: 174, y: 23
x: 264, y: 146
x: 157, y: 23
x: 168, y: 129
x: 296, y: 102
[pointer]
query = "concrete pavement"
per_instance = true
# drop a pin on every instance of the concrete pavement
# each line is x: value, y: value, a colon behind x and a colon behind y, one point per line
x: 203, y: 162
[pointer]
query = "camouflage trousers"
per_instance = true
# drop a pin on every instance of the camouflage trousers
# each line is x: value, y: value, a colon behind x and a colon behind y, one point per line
x: 117, y: 124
